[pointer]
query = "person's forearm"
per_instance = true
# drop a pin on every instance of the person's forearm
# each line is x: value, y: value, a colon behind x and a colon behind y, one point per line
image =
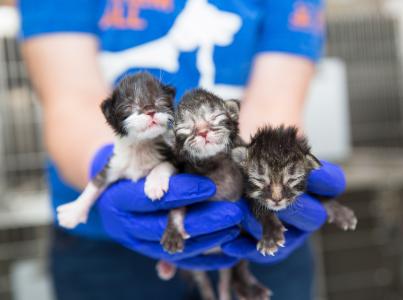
x: 276, y: 92
x: 65, y: 73
x: 73, y: 133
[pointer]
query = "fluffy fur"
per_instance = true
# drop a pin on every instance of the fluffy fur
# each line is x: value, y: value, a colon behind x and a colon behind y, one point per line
x: 277, y: 167
x: 140, y: 111
x: 206, y: 131
x: 277, y: 164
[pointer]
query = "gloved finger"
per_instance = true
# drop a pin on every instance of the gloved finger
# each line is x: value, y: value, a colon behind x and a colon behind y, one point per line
x: 244, y: 247
x: 184, y: 189
x: 115, y: 224
x: 201, y: 219
x: 306, y: 214
x: 193, y: 246
x: 328, y: 181
x: 207, y: 262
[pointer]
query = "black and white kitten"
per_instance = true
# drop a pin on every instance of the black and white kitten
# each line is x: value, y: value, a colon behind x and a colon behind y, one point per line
x: 206, y: 131
x: 140, y: 111
x: 276, y: 164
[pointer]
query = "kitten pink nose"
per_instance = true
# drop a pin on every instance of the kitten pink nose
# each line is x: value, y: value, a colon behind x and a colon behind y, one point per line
x: 150, y: 113
x: 276, y: 192
x: 202, y: 133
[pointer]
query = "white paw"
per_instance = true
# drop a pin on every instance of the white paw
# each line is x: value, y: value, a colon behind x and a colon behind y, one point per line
x: 71, y: 214
x: 156, y: 186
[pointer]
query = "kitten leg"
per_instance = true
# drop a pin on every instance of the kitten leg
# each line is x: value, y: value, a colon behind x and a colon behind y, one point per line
x: 71, y: 214
x: 224, y: 284
x: 204, y: 285
x: 173, y: 240
x: 157, y: 181
x: 273, y: 234
x: 341, y: 215
x: 165, y: 270
x: 246, y: 285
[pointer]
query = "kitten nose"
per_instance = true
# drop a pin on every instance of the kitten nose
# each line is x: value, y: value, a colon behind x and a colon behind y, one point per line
x: 203, y: 133
x: 276, y: 192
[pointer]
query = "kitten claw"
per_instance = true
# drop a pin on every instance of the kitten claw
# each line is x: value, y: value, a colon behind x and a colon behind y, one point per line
x: 341, y: 216
x: 173, y: 241
x: 270, y: 245
x: 251, y: 290
x: 267, y: 247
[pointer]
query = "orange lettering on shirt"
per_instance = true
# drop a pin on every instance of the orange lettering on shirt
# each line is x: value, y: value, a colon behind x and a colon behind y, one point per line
x: 125, y: 14
x: 114, y: 15
x: 133, y: 19
x: 301, y: 17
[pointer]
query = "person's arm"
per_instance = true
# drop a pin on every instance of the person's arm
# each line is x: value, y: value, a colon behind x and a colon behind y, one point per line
x: 290, y: 43
x: 65, y: 73
x: 276, y: 92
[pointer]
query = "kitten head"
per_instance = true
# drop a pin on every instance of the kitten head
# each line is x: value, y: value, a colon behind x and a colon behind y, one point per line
x: 140, y: 107
x: 276, y: 164
x: 205, y: 125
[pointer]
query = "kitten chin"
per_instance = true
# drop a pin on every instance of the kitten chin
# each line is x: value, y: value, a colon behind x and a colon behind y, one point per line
x: 205, y: 151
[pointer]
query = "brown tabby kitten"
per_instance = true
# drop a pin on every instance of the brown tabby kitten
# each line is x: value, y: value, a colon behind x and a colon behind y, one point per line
x: 206, y: 131
x: 277, y: 163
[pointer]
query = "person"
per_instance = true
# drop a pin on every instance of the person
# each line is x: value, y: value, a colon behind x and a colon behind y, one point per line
x: 263, y: 52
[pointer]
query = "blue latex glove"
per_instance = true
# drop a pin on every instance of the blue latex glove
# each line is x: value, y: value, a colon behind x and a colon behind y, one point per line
x: 138, y: 223
x: 303, y: 217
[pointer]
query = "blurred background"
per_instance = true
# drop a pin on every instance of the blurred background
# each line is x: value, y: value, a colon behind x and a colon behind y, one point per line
x: 359, y: 84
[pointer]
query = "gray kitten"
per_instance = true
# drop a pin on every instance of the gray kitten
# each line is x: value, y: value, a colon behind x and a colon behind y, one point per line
x: 206, y: 131
x: 277, y: 163
x: 139, y: 111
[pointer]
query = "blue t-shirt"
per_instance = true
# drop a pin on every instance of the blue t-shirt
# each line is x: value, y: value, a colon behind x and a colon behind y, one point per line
x: 208, y: 43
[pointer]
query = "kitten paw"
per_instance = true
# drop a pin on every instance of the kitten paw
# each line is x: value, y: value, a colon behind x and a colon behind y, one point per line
x: 253, y: 291
x: 342, y: 217
x: 173, y: 241
x: 71, y: 214
x: 156, y: 186
x: 166, y: 271
x: 270, y: 245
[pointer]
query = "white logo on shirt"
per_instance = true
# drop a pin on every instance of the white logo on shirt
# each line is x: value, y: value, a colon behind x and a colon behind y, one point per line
x: 199, y: 26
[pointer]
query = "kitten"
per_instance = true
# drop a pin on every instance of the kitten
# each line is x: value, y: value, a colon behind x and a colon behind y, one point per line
x: 140, y: 111
x: 206, y: 131
x: 277, y: 163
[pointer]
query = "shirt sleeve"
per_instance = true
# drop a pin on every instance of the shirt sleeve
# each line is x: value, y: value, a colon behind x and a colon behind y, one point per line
x: 293, y: 26
x: 53, y: 16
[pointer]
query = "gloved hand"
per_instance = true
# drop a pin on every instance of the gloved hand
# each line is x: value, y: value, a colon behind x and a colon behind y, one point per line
x: 138, y: 223
x: 302, y: 218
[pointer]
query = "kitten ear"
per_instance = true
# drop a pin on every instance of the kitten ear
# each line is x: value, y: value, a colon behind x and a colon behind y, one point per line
x: 239, y: 155
x: 107, y: 109
x: 233, y: 107
x: 312, y: 162
x: 169, y: 90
